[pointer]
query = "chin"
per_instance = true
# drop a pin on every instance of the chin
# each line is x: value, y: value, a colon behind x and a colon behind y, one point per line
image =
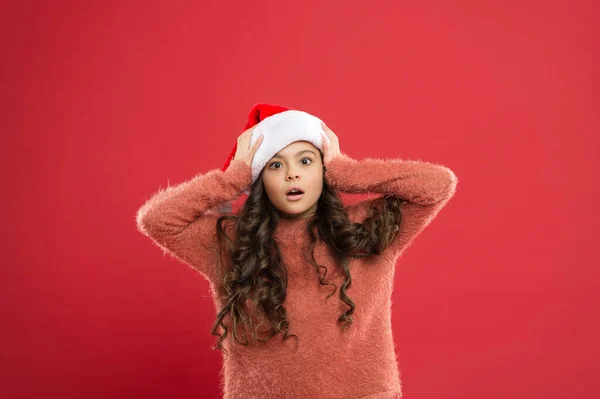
x: 291, y: 209
x: 288, y: 212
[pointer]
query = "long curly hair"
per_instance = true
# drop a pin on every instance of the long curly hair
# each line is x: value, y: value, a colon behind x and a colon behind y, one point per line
x: 254, y: 286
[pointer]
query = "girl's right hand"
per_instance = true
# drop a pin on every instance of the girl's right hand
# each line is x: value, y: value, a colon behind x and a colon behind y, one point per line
x: 244, y: 153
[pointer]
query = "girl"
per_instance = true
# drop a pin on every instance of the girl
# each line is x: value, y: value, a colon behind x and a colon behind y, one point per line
x: 275, y: 265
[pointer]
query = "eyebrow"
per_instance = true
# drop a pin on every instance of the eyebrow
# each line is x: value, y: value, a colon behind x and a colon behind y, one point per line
x: 298, y: 153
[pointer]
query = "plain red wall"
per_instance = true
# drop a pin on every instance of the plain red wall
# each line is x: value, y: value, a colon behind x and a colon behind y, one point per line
x: 103, y: 103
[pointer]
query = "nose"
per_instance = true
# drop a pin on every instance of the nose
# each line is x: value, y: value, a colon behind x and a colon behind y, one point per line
x: 292, y: 175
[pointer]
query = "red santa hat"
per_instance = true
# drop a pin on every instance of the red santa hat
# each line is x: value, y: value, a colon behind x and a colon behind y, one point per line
x: 280, y: 126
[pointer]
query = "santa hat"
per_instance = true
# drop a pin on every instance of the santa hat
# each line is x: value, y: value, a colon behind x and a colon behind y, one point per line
x: 280, y: 126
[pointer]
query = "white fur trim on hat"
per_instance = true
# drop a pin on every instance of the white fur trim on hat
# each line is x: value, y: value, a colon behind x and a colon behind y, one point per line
x: 281, y: 130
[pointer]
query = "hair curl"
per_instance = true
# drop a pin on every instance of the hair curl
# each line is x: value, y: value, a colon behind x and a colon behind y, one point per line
x: 255, y: 284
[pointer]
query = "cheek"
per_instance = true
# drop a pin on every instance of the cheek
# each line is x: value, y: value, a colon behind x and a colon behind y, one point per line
x: 270, y: 185
x: 317, y: 184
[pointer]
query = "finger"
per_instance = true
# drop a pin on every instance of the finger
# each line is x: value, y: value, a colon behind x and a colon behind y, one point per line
x: 326, y: 150
x: 247, y: 132
x: 325, y: 128
x: 325, y: 144
x: 330, y: 133
x: 242, y: 140
x: 327, y: 136
x: 257, y: 143
x: 248, y: 138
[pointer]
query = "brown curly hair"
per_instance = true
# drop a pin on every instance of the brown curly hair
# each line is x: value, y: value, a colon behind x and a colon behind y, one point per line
x: 256, y: 280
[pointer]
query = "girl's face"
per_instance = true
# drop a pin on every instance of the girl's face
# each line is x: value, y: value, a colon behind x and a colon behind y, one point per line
x: 296, y: 166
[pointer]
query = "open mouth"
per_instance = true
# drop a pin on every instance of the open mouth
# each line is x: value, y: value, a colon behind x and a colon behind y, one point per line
x: 295, y: 194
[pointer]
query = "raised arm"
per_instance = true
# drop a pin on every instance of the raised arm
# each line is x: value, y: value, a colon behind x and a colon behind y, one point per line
x: 182, y: 219
x: 426, y: 188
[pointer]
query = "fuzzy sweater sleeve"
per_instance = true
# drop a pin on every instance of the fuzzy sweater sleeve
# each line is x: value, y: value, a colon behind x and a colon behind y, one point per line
x: 182, y: 219
x: 424, y: 187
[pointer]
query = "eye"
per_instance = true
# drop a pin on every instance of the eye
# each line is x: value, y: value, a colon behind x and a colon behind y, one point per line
x: 306, y: 159
x: 274, y: 163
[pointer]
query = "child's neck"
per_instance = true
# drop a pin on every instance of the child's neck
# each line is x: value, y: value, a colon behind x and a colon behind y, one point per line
x: 308, y: 214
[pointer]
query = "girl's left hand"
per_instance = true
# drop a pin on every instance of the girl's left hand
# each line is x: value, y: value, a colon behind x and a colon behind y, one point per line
x: 331, y: 149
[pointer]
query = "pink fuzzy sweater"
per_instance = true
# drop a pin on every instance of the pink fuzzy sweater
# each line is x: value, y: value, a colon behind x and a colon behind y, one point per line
x: 326, y: 362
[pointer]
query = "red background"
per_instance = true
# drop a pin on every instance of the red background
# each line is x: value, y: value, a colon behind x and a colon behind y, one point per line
x: 105, y: 102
